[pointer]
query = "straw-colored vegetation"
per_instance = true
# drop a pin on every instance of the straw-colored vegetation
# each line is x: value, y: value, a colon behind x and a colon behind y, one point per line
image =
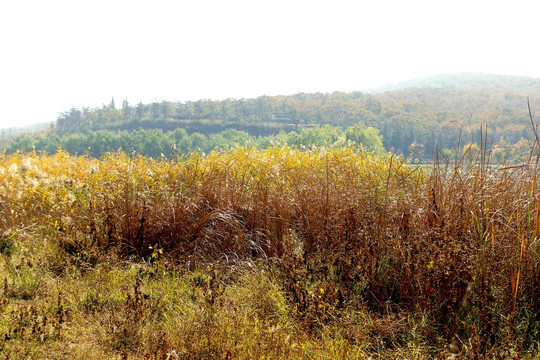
x: 275, y: 253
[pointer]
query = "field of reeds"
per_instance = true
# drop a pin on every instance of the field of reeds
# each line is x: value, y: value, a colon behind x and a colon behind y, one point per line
x: 275, y: 253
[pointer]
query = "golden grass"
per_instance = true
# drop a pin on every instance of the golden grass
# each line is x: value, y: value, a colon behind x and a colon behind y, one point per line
x: 276, y: 253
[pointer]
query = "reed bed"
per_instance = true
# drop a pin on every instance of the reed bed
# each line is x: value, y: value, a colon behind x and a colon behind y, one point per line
x: 454, y: 252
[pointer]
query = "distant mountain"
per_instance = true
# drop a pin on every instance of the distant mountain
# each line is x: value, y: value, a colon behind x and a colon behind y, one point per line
x: 468, y: 80
x: 7, y: 134
x: 27, y: 128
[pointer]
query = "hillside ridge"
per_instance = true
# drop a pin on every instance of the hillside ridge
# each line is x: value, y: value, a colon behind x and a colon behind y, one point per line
x: 413, y: 120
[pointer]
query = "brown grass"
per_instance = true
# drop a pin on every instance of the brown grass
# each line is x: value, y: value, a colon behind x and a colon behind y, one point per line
x: 331, y: 250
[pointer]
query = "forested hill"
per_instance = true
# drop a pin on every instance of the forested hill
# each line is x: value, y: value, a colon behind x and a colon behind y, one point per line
x: 431, y: 111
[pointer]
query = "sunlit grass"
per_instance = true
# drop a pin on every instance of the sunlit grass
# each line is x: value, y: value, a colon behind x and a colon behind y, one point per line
x: 275, y: 253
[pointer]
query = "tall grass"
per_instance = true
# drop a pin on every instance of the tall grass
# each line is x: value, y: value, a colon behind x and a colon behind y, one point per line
x: 340, y: 230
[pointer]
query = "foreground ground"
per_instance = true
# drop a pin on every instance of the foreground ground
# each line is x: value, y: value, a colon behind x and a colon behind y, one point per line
x: 54, y: 310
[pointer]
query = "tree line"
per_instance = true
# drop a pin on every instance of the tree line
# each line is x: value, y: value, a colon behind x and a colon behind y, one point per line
x: 156, y: 142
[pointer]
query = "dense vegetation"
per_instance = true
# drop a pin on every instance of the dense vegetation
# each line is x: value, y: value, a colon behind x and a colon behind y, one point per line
x: 413, y: 119
x: 275, y: 253
x: 260, y: 228
x: 156, y: 143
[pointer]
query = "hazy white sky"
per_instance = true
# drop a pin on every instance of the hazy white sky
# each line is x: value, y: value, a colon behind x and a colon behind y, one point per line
x: 59, y: 54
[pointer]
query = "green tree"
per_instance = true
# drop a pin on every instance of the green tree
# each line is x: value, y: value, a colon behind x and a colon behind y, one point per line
x: 367, y: 136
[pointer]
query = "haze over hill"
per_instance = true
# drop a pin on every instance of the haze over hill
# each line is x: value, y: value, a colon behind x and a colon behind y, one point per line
x: 508, y: 82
